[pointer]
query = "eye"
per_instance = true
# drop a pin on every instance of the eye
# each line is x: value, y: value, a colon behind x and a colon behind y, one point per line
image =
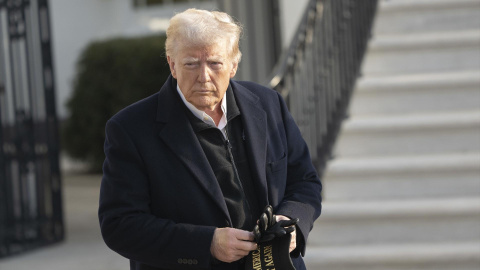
x: 190, y: 65
x: 216, y: 65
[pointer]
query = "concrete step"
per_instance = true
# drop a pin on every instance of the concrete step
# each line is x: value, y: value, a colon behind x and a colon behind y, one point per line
x: 419, y: 93
x: 404, y: 189
x: 397, y: 222
x: 448, y: 256
x: 410, y: 134
x: 423, y: 53
x: 403, y: 177
x: 414, y: 16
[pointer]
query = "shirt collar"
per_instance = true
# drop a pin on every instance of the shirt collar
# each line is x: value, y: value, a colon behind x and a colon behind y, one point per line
x: 202, y: 115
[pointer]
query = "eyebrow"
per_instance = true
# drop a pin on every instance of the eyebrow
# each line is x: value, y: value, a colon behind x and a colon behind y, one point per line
x: 196, y: 60
x: 190, y: 60
x: 215, y: 59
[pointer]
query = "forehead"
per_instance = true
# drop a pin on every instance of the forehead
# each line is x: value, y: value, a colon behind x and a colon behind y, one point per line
x: 217, y: 48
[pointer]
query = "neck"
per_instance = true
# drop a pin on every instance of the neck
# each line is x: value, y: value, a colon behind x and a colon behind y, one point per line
x: 216, y: 114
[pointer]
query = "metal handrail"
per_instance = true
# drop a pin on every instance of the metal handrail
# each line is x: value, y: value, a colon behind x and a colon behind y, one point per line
x: 317, y: 73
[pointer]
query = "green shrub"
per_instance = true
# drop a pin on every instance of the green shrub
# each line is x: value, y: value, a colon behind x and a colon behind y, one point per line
x: 110, y: 75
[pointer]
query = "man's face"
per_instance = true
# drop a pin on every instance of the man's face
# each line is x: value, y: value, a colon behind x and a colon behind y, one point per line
x: 203, y: 73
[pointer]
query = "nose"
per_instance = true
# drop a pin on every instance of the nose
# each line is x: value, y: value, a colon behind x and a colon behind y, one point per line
x: 204, y: 75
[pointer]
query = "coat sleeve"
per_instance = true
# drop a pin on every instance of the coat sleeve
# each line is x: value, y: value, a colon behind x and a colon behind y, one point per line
x: 127, y: 224
x: 302, y: 197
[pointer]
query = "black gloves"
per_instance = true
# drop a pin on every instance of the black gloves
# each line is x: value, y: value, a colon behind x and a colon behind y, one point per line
x: 273, y: 239
x: 268, y: 228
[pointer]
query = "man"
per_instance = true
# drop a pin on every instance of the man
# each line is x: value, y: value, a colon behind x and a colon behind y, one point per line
x: 189, y: 169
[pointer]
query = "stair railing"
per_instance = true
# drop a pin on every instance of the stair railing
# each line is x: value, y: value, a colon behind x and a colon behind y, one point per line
x: 317, y: 74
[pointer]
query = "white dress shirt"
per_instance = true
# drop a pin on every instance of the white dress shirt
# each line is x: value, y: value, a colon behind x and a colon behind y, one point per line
x: 205, y: 117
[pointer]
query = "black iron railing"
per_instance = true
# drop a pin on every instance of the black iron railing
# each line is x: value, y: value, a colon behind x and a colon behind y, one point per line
x: 317, y: 74
x: 30, y: 186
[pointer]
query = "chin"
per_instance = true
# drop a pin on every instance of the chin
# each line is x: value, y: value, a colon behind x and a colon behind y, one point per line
x: 200, y: 106
x: 204, y: 103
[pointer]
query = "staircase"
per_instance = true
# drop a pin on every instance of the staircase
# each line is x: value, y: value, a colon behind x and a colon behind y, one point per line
x: 404, y: 189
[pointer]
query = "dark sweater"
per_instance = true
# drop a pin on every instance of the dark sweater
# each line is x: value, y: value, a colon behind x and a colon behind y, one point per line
x: 228, y: 159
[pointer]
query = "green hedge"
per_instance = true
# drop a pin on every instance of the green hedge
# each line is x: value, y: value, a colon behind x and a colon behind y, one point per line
x: 110, y: 75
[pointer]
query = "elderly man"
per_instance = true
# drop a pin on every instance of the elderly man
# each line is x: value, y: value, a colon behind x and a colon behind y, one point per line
x: 189, y: 170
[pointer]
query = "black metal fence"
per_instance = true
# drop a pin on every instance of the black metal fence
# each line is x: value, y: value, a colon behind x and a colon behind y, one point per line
x: 30, y: 184
x: 318, y: 73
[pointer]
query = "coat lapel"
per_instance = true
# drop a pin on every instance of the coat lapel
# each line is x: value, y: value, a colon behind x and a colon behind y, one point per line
x: 179, y: 136
x: 255, y: 125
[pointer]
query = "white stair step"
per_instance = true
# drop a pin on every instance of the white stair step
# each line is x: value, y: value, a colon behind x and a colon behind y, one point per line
x: 448, y: 256
x: 410, y: 134
x: 403, y: 221
x: 413, y: 16
x: 418, y: 93
x: 403, y: 177
x: 404, y: 189
x: 369, y: 166
x: 423, y: 53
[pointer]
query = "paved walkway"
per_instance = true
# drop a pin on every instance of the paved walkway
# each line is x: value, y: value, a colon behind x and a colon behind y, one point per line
x: 83, y: 248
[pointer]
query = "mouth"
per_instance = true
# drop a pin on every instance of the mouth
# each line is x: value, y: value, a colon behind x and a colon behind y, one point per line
x: 203, y: 91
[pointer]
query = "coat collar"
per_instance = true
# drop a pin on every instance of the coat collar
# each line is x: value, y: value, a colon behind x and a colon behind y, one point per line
x: 255, y: 125
x: 178, y: 135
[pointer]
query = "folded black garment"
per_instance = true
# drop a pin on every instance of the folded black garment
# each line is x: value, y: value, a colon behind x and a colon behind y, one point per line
x: 273, y: 240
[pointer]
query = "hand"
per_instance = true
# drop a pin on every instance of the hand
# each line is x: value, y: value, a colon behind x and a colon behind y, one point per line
x: 293, y: 241
x: 229, y: 244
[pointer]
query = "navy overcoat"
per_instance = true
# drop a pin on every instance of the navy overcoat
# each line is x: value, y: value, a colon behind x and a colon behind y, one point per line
x: 160, y: 201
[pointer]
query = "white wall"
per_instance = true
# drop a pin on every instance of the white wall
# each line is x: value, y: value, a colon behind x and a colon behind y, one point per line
x: 290, y: 13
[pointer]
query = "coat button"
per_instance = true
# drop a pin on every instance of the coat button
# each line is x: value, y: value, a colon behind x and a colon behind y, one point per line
x: 195, y: 261
x: 179, y: 261
x: 190, y: 261
x: 185, y: 261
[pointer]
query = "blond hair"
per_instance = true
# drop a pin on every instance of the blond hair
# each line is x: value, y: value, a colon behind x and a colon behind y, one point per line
x: 195, y: 27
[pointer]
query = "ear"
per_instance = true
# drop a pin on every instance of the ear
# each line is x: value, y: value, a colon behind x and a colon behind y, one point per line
x: 234, y: 70
x: 171, y: 64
